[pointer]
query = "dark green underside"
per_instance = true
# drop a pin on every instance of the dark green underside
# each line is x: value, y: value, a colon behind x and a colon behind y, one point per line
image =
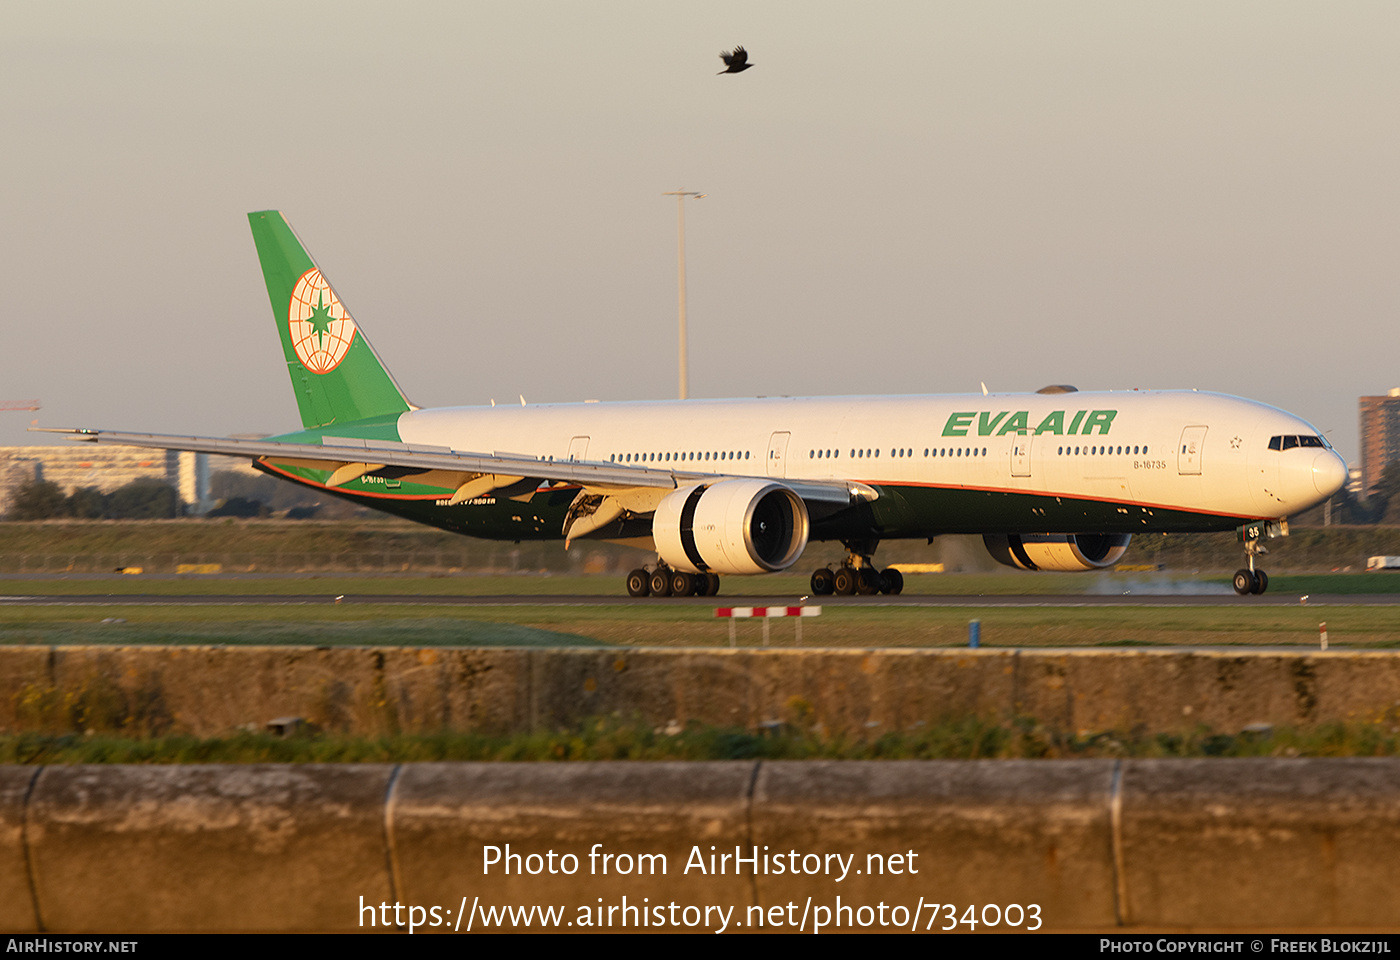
x: 900, y: 512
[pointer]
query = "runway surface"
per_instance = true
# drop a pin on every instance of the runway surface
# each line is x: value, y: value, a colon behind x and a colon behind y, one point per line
x: 504, y: 600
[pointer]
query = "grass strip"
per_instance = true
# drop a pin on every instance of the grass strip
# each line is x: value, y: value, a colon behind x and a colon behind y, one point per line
x: 1355, y: 627
x: 786, y: 586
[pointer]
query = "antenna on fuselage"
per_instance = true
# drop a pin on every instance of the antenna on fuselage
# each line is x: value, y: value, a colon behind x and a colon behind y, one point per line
x: 984, y: 388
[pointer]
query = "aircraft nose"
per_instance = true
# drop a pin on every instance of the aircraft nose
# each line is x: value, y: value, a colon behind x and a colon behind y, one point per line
x: 1329, y: 472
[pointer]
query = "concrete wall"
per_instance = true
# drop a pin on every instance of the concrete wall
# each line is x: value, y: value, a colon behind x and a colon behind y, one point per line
x: 1082, y: 845
x: 214, y: 690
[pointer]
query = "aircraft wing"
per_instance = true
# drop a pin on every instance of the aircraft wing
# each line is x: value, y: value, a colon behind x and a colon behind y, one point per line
x: 636, y: 489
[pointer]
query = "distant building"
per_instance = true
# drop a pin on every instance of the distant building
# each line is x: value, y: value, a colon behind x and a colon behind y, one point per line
x: 1380, y: 436
x: 1354, y: 480
x: 108, y: 466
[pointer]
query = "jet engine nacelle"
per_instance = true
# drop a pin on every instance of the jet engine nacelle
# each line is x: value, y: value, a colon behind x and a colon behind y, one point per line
x: 732, y: 526
x: 1069, y: 552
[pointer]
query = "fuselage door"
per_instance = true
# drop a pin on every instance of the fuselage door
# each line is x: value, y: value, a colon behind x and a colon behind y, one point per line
x: 777, y: 454
x: 578, y: 449
x: 1188, y: 454
x: 1021, y: 453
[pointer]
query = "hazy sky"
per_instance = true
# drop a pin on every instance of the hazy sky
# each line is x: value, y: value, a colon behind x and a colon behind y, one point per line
x: 903, y: 198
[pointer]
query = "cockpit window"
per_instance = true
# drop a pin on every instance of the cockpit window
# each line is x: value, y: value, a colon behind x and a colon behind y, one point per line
x: 1289, y: 442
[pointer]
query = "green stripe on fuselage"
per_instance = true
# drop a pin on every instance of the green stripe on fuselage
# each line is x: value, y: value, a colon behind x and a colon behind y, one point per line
x: 900, y: 512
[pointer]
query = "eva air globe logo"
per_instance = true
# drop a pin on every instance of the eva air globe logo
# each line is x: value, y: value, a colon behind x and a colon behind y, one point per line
x: 321, y: 329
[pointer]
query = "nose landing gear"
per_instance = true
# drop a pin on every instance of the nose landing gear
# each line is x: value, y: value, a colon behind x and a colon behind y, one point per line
x: 1249, y: 580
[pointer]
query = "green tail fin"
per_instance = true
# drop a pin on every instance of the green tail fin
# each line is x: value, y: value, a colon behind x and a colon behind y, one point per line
x: 336, y: 374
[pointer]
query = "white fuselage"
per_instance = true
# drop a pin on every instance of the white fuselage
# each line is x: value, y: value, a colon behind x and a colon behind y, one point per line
x: 1188, y: 451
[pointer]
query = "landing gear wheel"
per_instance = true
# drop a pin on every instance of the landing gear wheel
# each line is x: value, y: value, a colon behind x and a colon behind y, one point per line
x: 822, y: 583
x: 870, y: 582
x: 711, y: 585
x: 682, y: 584
x: 638, y: 583
x: 844, y: 581
x: 1261, y: 582
x: 1244, y: 582
x: 894, y: 582
x: 660, y: 582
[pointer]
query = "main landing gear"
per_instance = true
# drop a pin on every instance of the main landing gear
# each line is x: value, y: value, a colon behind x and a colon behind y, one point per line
x: 857, y: 574
x: 662, y: 581
x: 1249, y: 580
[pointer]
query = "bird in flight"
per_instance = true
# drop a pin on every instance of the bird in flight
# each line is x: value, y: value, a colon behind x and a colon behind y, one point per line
x: 736, y: 62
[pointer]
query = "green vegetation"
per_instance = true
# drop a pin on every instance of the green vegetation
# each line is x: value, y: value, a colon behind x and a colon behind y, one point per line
x: 1306, y: 549
x: 137, y: 500
x: 608, y: 739
x: 280, y: 546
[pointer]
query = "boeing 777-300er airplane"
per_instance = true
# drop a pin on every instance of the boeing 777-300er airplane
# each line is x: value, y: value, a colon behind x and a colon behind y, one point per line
x: 1053, y: 480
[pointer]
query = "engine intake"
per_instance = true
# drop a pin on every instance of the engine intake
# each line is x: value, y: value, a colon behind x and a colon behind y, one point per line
x: 731, y: 527
x: 1067, y: 552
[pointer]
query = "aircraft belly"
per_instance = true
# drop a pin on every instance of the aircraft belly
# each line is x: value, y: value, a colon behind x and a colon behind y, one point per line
x: 541, y: 517
x: 925, y: 511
